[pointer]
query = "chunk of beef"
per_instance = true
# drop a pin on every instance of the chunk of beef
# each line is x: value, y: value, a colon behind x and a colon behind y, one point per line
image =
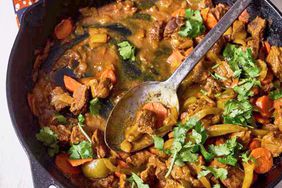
x: 95, y: 122
x: 99, y: 144
x: 156, y: 31
x: 146, y: 121
x: 76, y: 135
x: 62, y: 132
x: 138, y: 159
x: 274, y: 59
x: 181, y: 173
x: 234, y: 179
x: 110, y: 181
x: 212, y: 87
x: 60, y: 99
x: 173, y: 25
x: 256, y: 27
x: 102, y: 88
x: 253, y: 43
x: 224, y: 70
x: 79, y: 103
x: 273, y: 142
x: 219, y: 10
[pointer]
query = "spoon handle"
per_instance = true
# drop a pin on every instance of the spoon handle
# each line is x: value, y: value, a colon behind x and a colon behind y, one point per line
x: 210, y: 39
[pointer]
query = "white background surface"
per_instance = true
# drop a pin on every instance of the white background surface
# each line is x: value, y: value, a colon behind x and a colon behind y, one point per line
x: 14, y: 165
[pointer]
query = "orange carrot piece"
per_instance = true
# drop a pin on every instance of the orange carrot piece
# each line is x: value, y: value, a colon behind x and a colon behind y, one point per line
x: 188, y: 51
x: 211, y: 21
x: 70, y: 83
x: 265, y: 105
x: 109, y: 73
x: 175, y: 58
x: 267, y: 46
x: 122, y: 164
x: 263, y: 160
x: 78, y: 162
x: 64, y: 29
x: 204, y: 13
x: 244, y: 17
x: 159, y: 109
x: 254, y: 144
x: 62, y: 162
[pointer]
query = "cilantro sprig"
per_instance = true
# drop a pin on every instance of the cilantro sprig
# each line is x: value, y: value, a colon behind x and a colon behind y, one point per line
x: 220, y: 173
x: 126, y: 51
x: 238, y: 112
x: 83, y: 150
x: 276, y: 94
x: 194, y: 24
x: 94, y: 106
x: 49, y: 139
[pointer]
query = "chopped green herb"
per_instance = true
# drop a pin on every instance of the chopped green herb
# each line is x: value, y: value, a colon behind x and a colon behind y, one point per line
x: 207, y: 155
x: 220, y: 173
x: 95, y: 106
x: 126, y: 50
x: 244, y: 88
x: 83, y: 150
x: 61, y: 119
x: 229, y: 160
x: 135, y: 180
x: 49, y: 139
x: 159, y: 142
x: 238, y: 112
x: 246, y: 157
x: 194, y: 24
x: 81, y: 119
x: 276, y: 94
x: 218, y: 77
x: 241, y: 62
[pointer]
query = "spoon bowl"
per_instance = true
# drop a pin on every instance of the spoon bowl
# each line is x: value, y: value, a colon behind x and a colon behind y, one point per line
x: 164, y: 92
x: 131, y: 102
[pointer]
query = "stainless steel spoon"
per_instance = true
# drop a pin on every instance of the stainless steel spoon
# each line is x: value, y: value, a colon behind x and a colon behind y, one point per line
x: 164, y: 92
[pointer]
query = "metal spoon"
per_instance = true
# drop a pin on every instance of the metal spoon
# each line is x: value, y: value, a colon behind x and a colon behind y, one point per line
x: 164, y: 92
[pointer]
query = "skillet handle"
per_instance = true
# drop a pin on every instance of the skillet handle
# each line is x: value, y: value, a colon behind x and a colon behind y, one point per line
x: 41, y: 179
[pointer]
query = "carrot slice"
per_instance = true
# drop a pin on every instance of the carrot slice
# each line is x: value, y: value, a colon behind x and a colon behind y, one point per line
x: 204, y: 13
x: 78, y: 162
x: 267, y: 46
x: 64, y: 29
x: 264, y: 160
x: 62, y: 162
x: 70, y: 83
x: 265, y: 105
x: 159, y: 109
x: 178, y: 12
x: 175, y: 59
x: 254, y: 144
x: 109, y: 73
x: 211, y: 21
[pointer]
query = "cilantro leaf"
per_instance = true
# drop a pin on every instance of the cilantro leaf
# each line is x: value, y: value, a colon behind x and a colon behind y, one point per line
x: 276, y: 94
x: 229, y: 160
x: 61, y: 119
x: 126, y: 50
x: 220, y: 173
x: 49, y: 139
x: 81, y: 119
x: 238, y: 112
x: 216, y: 186
x: 246, y: 157
x: 136, y: 180
x: 83, y: 150
x: 244, y: 88
x: 241, y: 62
x: 207, y: 156
x: 94, y: 106
x: 194, y: 24
x: 229, y: 147
x: 158, y: 142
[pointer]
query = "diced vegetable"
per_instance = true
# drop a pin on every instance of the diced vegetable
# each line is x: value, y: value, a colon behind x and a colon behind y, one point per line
x: 220, y: 130
x: 99, y: 38
x: 96, y: 169
x: 62, y: 162
x: 64, y: 29
x: 78, y: 162
x: 249, y: 174
x: 263, y: 160
x: 70, y: 83
x: 265, y: 105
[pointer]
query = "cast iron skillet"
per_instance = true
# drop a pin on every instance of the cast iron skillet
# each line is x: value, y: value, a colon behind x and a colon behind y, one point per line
x: 37, y: 25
